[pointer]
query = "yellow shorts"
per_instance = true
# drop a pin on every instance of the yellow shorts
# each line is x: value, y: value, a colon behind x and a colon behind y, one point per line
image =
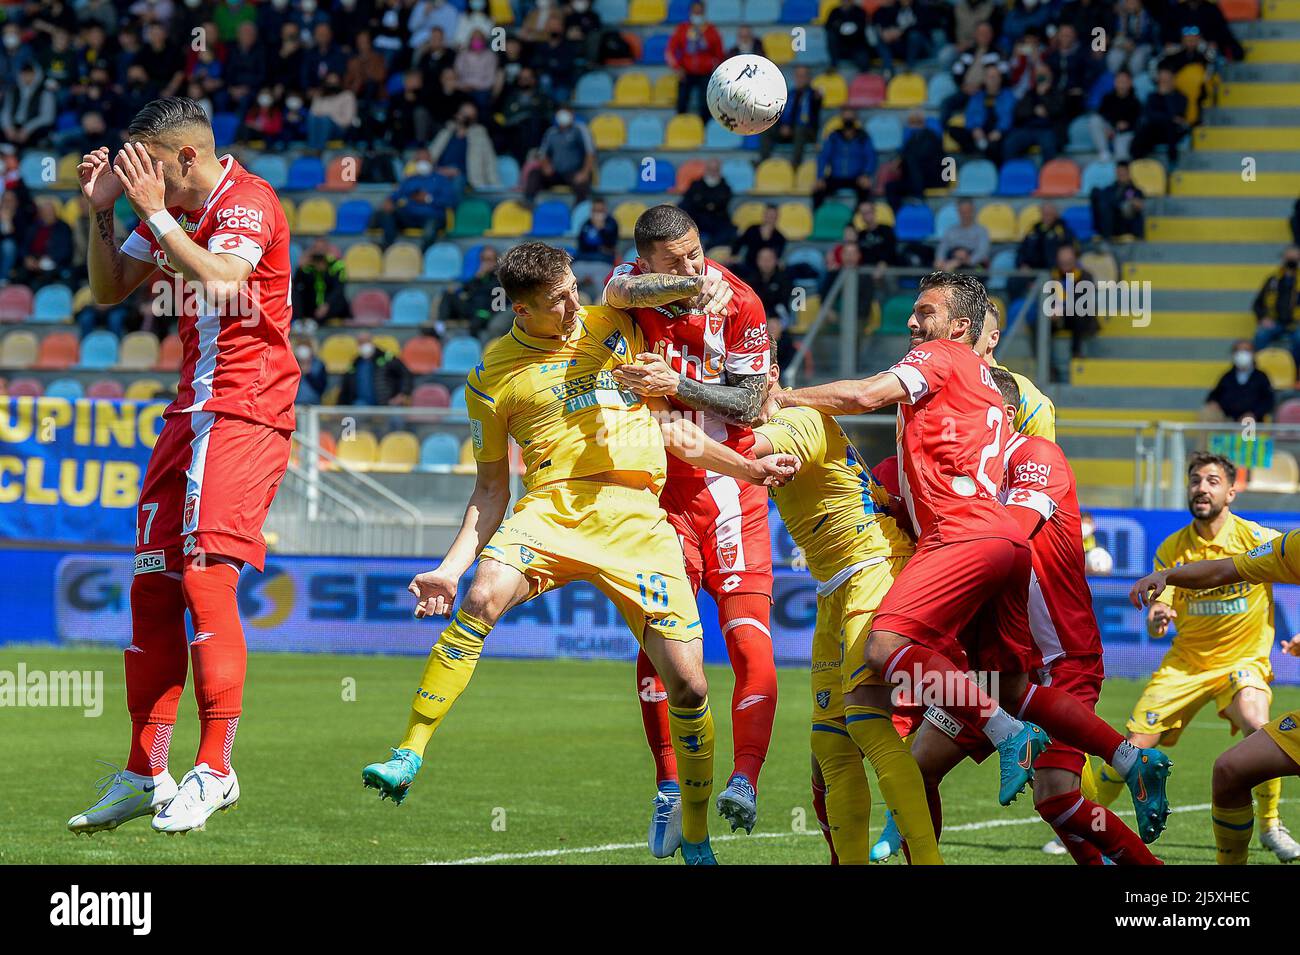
x: 1178, y: 690
x: 839, y: 638
x: 1285, y: 731
x: 616, y: 537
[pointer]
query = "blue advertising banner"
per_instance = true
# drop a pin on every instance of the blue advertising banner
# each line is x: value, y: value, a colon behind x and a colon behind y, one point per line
x: 70, y: 471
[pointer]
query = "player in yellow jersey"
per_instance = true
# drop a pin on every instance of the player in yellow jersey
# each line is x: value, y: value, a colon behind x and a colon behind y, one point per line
x: 1260, y: 757
x: 1225, y: 633
x: 1036, y: 416
x: 594, y: 463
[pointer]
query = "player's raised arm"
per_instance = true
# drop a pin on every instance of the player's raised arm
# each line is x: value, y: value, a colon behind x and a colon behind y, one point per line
x: 113, y: 274
x: 685, y: 439
x: 738, y: 398
x: 851, y: 396
x: 1198, y: 575
x: 626, y: 290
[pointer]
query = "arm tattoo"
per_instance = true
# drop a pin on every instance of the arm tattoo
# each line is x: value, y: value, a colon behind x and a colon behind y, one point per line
x: 739, y: 400
x: 654, y: 288
x: 104, y: 224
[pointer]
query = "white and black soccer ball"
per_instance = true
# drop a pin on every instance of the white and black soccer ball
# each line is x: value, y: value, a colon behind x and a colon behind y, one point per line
x: 747, y: 93
x: 1099, y: 562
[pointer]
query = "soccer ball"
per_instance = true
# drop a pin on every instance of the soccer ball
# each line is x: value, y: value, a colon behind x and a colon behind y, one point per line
x: 1099, y: 562
x: 746, y: 94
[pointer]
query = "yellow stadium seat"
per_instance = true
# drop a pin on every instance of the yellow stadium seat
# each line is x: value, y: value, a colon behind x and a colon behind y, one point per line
x: 398, y: 451
x: 1001, y: 305
x: 467, y: 464
x: 1149, y: 176
x: 805, y: 177
x: 646, y: 12
x: 510, y: 218
x: 804, y: 316
x: 1102, y: 265
x: 885, y: 214
x: 632, y: 89
x: 290, y: 213
x: 747, y: 214
x: 625, y: 214
x: 138, y: 351
x: 773, y: 177
x: 360, y: 450
x: 402, y: 260
x: 1000, y: 219
x: 1029, y: 217
x: 143, y: 389
x: 825, y: 8
x: 905, y: 90
x: 1282, y: 476
x: 608, y: 131
x: 1278, y: 364
x: 338, y: 352
x: 316, y: 217
x: 83, y: 298
x: 795, y: 220
x: 664, y: 92
x: 388, y: 343
x: 779, y: 46
x: 500, y: 11
x: 833, y: 89
x: 684, y: 131
x: 1189, y: 81
x: 70, y: 212
x: 66, y: 172
x: 19, y: 349
x: 363, y: 261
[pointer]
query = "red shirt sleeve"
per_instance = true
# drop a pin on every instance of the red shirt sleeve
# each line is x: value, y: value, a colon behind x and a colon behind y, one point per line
x: 1037, y: 480
x: 748, y: 350
x: 242, y: 223
x: 925, y: 369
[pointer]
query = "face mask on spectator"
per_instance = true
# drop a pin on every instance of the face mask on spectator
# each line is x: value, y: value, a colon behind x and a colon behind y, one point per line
x: 478, y: 6
x: 366, y: 349
x: 1030, y: 4
x: 279, y: 4
x: 712, y: 180
x: 581, y: 6
x: 303, y: 352
x: 293, y: 102
x: 191, y: 3
x: 308, y: 6
x: 1243, y: 359
x: 423, y: 167
x: 265, y: 100
x: 564, y: 118
x: 697, y: 20
x: 477, y: 43
x: 348, y: 4
x: 13, y: 41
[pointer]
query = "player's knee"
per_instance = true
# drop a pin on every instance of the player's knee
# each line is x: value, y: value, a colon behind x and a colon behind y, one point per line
x: 879, y: 648
x: 488, y: 595
x: 1227, y: 775
x: 1050, y: 783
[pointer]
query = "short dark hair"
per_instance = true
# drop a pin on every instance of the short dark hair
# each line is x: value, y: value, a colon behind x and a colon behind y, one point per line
x: 1200, y: 459
x: 165, y: 115
x: 529, y: 268
x: 661, y: 223
x: 1008, y: 385
x: 967, y: 298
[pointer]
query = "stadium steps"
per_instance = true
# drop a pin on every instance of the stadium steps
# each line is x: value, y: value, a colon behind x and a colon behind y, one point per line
x: 1198, y: 254
x: 1176, y: 331
x: 1132, y: 346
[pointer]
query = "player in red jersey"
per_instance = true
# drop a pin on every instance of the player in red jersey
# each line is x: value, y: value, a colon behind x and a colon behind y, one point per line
x: 214, y: 244
x: 709, y: 353
x: 972, y: 562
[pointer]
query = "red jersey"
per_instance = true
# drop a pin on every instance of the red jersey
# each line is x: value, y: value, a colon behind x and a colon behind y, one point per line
x: 236, y: 357
x: 951, y: 429
x: 702, y: 347
x: 1060, y: 604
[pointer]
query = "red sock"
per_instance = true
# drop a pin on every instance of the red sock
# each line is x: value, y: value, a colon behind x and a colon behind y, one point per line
x: 913, y: 664
x: 819, y: 807
x: 156, y: 665
x: 1068, y: 720
x: 219, y: 655
x: 1081, y: 850
x: 744, y: 622
x: 1071, y: 814
x: 654, y: 717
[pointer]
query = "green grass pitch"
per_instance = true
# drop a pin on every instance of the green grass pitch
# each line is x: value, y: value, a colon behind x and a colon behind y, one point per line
x: 541, y: 761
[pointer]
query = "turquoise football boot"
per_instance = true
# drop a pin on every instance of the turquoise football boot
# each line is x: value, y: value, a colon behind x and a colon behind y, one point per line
x: 890, y: 841
x: 1016, y: 755
x: 1147, y: 784
x: 698, y: 853
x: 393, y: 778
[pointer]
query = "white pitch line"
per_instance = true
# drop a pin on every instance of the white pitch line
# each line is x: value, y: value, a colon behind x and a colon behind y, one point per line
x: 618, y: 846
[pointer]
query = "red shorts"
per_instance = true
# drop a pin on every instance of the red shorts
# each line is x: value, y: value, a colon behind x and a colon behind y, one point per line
x: 722, y: 525
x: 209, y: 484
x: 967, y: 600
x: 1080, y: 677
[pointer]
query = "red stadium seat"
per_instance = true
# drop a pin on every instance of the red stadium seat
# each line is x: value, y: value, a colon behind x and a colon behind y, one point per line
x: 687, y: 173
x: 15, y: 303
x: 1288, y: 412
x: 25, y: 388
x: 169, y: 354
x: 422, y: 354
x: 432, y: 395
x: 105, y: 388
x: 342, y: 174
x: 1237, y: 10
x: 59, y: 350
x: 1059, y: 178
x: 371, y: 307
x: 866, y: 91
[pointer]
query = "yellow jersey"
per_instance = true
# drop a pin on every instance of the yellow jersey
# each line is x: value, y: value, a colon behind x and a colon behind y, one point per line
x: 561, y: 404
x: 834, y: 509
x: 1224, y: 625
x: 1036, y: 416
x: 1274, y: 562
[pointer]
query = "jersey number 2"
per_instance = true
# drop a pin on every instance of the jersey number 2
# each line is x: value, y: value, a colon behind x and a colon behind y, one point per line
x: 991, y: 450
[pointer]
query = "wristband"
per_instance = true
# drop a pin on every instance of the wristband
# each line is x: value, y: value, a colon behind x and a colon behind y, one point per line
x: 161, y: 223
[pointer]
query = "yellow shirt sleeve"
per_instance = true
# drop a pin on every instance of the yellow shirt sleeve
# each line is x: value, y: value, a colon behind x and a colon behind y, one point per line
x: 1275, y: 562
x: 487, y: 426
x: 797, y: 431
x: 1161, y: 562
x: 1036, y: 416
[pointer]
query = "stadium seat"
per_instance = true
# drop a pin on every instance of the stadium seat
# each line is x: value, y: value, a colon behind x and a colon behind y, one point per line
x: 461, y: 354
x: 886, y: 132
x: 170, y: 354
x: 692, y: 169
x: 763, y: 11
x: 914, y: 223
x: 143, y: 389
x: 1149, y: 176
x: 1102, y: 265
x: 646, y: 12
x: 19, y: 350
x: 895, y: 314
x: 1029, y: 217
x: 305, y: 173
x: 653, y: 48
x: 98, y: 351
x: 657, y: 175
x: 550, y: 219
x: 442, y: 262
x: 1059, y: 178
x: 138, y: 352
x: 1098, y: 174
x: 1001, y: 266
x: 290, y: 212
x: 720, y: 11
x: 338, y: 351
x: 271, y: 168
x: 608, y: 131
x: 224, y: 128
x: 422, y: 354
x: 67, y: 388
x: 867, y: 91
x: 511, y: 219
x: 717, y: 136
x: 15, y: 303
x: 439, y: 451
x: 794, y: 219
x: 593, y: 90
x: 399, y: 451
x: 508, y: 172
x: 809, y: 257
x: 798, y: 11
x: 66, y: 172
x: 31, y: 169
x: 940, y: 87
x: 387, y: 343
x: 773, y: 177
x: 402, y: 261
x: 740, y: 175
x: 618, y: 175
x: 645, y: 131
x: 1288, y: 412
x: 1017, y: 177
x: 829, y: 221
x: 1235, y: 11
x: 685, y: 131
x: 71, y: 212
x: 411, y: 306
x: 371, y: 306
x: 501, y: 11
x: 946, y: 218
x: 430, y: 395
x: 109, y: 388
x: 473, y: 218
x: 1079, y: 219
x: 905, y: 90
x: 835, y: 92
x: 25, y: 388
x: 469, y: 264
x: 353, y: 217
x: 979, y: 177
x: 1000, y: 219
x: 458, y: 399
x: 778, y: 45
x: 1278, y: 364
x: 1079, y: 136
x: 747, y: 214
x: 316, y: 217
x: 1282, y: 476
x: 52, y: 303
x: 663, y: 92
x: 358, y: 451
x: 341, y: 174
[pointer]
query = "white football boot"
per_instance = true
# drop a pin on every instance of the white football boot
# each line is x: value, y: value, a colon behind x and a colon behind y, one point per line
x: 124, y: 796
x: 1279, y: 841
x: 202, y: 792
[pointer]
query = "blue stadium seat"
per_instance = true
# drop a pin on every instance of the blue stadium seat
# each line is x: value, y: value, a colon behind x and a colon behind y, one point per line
x: 717, y: 136
x: 679, y: 11
x: 1096, y: 175
x: 615, y: 11
x: 53, y: 303
x: 657, y: 176
x: 442, y: 262
x: 1143, y: 86
x: 816, y: 50
x: 461, y: 354
x: 1079, y: 137
x: 940, y: 87
x: 295, y: 253
x: 31, y: 169
x: 1079, y: 219
x: 352, y: 217
x: 914, y: 223
x: 441, y: 450
x: 469, y: 265
x: 886, y: 132
x: 224, y: 127
x: 653, y: 48
x: 578, y: 216
x: 806, y: 255
x: 305, y: 172
x: 1018, y: 177
x: 410, y: 307
x: 98, y: 350
x: 739, y: 174
x: 645, y: 131
x: 550, y: 219
x: 1003, y: 263
x: 720, y: 11
x: 67, y: 388
x: 458, y: 399
x: 271, y: 168
x: 979, y: 177
x: 67, y: 121
x: 508, y: 171
x: 618, y: 175
x: 594, y: 89
x: 946, y: 218
x: 761, y: 12
x: 799, y: 11
x: 1100, y: 87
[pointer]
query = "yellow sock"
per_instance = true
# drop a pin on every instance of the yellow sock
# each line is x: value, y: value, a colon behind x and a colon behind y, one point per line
x: 1267, y: 796
x: 692, y: 731
x: 451, y: 664
x: 1232, y: 831
x: 901, y: 785
x: 1101, y: 784
x: 848, y: 797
